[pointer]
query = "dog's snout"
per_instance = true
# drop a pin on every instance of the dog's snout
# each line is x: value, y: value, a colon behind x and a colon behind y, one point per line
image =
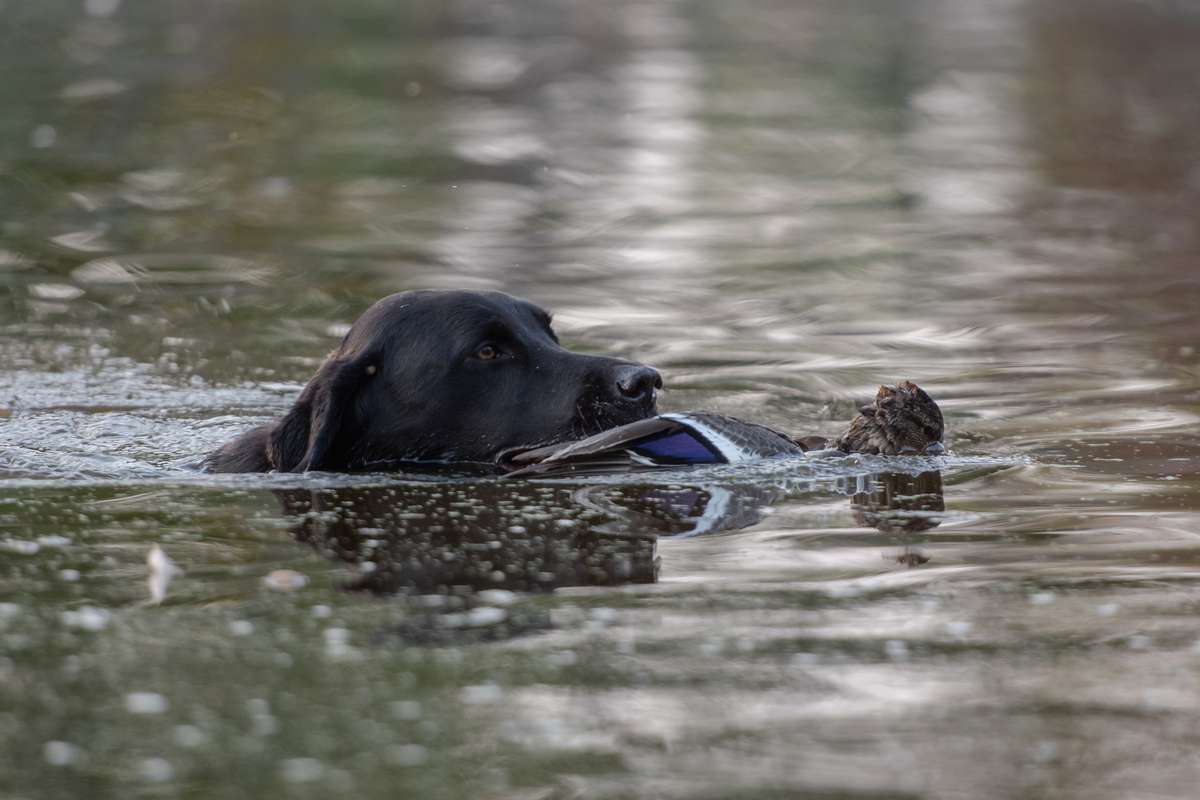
x: 637, y: 382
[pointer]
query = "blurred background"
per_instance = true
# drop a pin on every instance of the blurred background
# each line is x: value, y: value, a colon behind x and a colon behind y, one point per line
x: 779, y: 205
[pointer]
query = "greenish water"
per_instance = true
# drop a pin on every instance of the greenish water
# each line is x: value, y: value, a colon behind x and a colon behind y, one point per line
x: 779, y: 206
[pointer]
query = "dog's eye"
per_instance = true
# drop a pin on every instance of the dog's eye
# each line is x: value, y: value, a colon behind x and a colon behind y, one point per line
x: 487, y: 353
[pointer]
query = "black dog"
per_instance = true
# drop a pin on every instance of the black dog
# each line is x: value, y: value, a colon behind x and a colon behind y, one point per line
x: 444, y: 377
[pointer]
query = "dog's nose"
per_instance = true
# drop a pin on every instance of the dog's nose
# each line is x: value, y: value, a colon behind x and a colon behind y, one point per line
x: 636, y: 382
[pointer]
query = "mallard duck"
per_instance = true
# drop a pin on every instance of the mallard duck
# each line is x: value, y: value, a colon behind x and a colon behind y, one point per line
x: 902, y: 420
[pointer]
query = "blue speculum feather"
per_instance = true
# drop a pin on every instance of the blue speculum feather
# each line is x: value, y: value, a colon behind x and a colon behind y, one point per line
x: 678, y: 447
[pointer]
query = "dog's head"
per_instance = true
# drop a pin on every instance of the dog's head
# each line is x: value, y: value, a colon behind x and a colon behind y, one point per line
x: 455, y: 377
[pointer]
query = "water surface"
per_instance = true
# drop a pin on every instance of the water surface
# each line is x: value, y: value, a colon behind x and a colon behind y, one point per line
x: 780, y: 207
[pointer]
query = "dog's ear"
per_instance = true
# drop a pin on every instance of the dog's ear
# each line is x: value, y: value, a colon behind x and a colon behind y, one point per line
x: 315, y: 433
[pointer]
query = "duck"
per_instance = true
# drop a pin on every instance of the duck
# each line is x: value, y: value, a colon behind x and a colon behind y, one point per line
x: 902, y: 420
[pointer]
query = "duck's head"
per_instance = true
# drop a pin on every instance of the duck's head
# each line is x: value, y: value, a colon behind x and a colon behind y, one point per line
x: 912, y: 420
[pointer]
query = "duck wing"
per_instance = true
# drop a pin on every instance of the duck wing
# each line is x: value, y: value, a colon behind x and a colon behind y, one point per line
x: 736, y: 440
x: 667, y: 440
x: 614, y: 450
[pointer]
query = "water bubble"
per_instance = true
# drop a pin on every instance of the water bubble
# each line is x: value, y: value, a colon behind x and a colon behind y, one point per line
x: 157, y: 770
x: 1045, y: 752
x: 337, y: 636
x: 486, y: 615
x: 93, y: 89
x: 497, y: 597
x: 958, y: 627
x: 43, y: 136
x: 567, y: 616
x: 263, y: 725
x: 101, y: 8
x: 337, y: 645
x: 241, y: 627
x: 189, y: 736
x: 1042, y: 598
x: 301, y: 770
x: 88, y: 618
x: 563, y: 658
x: 145, y: 703
x: 896, y: 649
x: 481, y: 694
x: 285, y: 580
x: 55, y: 291
x: 22, y: 547
x: 406, y: 709
x: 161, y: 570
x: 60, y: 754
x: 604, y: 614
x: 408, y: 755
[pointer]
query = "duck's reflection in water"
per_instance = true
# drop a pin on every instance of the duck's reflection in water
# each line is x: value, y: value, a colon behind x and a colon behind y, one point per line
x: 896, y: 502
x: 431, y: 538
x: 901, y: 504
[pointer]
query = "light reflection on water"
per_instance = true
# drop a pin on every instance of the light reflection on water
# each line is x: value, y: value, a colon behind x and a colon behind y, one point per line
x: 779, y: 209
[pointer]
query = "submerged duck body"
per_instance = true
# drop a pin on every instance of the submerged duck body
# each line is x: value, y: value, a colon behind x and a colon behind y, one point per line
x: 903, y: 419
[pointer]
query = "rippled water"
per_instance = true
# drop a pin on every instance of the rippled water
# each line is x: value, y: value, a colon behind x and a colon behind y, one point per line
x: 780, y: 207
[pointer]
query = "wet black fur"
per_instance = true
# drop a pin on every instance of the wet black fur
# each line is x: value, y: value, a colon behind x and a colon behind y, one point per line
x: 406, y: 385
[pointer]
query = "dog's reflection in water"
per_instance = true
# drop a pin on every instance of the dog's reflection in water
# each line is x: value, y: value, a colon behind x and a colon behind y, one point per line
x: 445, y: 537
x: 458, y: 538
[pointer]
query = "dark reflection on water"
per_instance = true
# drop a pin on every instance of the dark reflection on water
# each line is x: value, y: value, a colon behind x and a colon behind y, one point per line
x: 901, y: 502
x: 780, y: 207
x: 451, y: 537
x: 427, y: 539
